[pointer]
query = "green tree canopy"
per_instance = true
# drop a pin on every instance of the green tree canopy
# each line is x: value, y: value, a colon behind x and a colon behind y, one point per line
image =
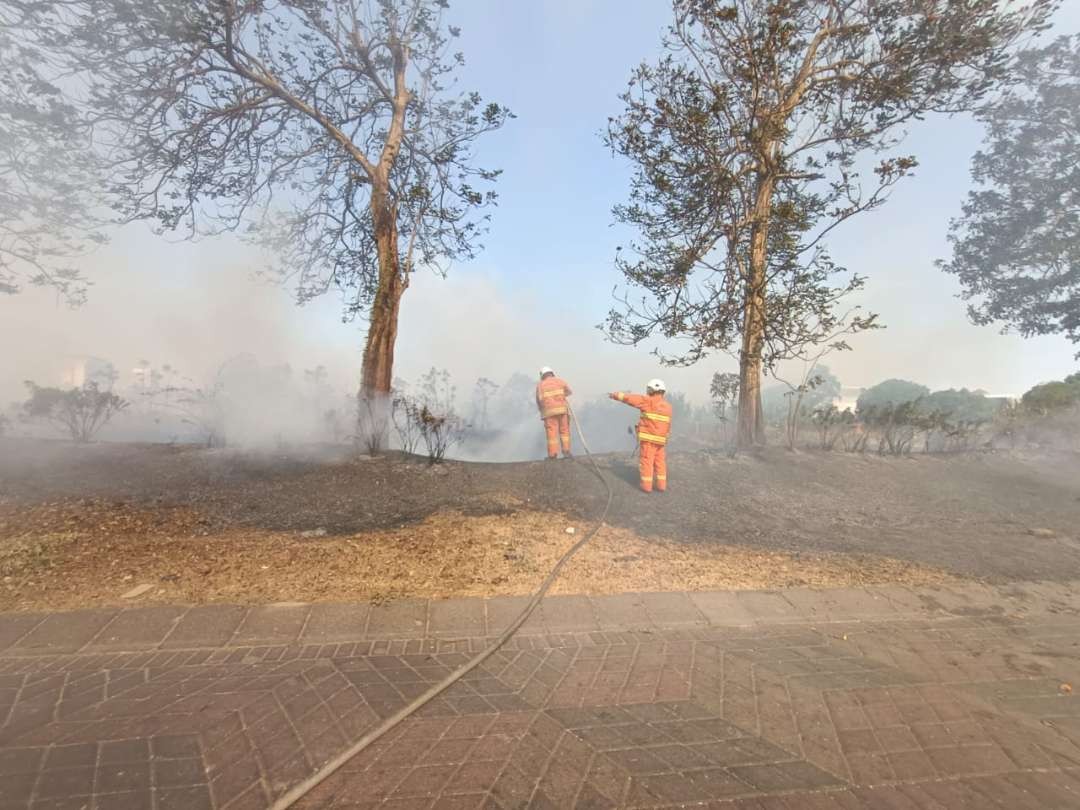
x: 1053, y: 396
x: 961, y: 405
x: 1016, y: 247
x: 891, y: 392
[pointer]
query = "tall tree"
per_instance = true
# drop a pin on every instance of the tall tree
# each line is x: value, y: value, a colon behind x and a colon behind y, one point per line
x: 891, y: 392
x: 332, y: 130
x: 1016, y: 247
x: 48, y: 178
x: 746, y: 139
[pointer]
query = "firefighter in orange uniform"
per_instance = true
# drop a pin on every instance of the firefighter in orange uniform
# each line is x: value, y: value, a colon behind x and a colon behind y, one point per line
x: 551, y: 394
x: 652, y: 432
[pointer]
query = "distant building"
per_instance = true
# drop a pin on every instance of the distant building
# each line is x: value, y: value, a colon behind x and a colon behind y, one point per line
x: 847, y: 398
x: 82, y: 370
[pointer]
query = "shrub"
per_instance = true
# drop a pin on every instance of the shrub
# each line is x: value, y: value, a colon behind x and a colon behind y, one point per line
x: 82, y: 412
x: 430, y: 418
x: 835, y: 426
x: 439, y: 433
x: 406, y: 418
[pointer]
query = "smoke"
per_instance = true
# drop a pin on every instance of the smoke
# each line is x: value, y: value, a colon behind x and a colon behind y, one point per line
x: 181, y: 312
x: 196, y: 308
x: 531, y: 299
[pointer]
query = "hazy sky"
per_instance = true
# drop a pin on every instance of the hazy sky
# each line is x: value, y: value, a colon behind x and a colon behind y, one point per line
x: 534, y: 296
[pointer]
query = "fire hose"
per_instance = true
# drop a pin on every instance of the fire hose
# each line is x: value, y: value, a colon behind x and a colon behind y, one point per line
x: 322, y: 774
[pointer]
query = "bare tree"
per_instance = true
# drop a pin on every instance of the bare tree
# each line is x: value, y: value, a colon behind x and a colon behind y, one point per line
x: 724, y: 390
x: 745, y: 140
x: 333, y: 131
x: 405, y: 415
x: 201, y: 407
x: 796, y: 393
x: 483, y: 392
x: 811, y: 354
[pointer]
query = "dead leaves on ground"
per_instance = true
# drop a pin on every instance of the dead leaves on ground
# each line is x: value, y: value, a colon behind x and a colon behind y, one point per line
x: 79, y: 553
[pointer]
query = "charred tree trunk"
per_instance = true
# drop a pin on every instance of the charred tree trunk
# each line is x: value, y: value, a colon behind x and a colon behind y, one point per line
x: 377, y: 369
x: 750, y: 429
x: 751, y: 424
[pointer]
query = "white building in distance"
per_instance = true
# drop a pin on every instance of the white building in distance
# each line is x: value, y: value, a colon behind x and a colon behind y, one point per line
x: 81, y: 370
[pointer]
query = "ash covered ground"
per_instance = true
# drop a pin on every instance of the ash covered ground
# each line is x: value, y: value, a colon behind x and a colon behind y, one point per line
x: 998, y: 516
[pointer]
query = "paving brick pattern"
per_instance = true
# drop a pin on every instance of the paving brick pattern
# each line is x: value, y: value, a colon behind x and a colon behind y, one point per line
x: 926, y: 700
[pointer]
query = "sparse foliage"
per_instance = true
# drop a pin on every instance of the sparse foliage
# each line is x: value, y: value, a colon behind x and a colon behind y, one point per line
x: 200, y: 407
x: 815, y: 387
x: 946, y: 421
x: 811, y: 385
x: 835, y: 426
x: 440, y: 432
x: 430, y: 417
x: 80, y: 412
x: 1016, y: 247
x: 894, y: 426
x: 405, y: 414
x: 515, y: 400
x: 483, y: 392
x: 745, y: 140
x: 437, y: 391
x: 331, y: 132
x: 724, y: 390
x: 49, y: 175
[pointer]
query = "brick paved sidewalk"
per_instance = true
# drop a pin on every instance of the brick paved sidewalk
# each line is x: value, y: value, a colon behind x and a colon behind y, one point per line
x: 859, y: 698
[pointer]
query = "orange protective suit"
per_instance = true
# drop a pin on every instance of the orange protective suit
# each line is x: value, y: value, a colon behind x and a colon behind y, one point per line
x: 551, y: 394
x: 652, y: 432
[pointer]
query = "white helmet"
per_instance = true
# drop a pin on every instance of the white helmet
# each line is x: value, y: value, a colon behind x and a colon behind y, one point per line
x: 656, y: 385
x: 546, y: 370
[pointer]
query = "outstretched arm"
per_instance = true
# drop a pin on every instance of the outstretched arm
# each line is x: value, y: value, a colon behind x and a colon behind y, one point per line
x: 633, y: 400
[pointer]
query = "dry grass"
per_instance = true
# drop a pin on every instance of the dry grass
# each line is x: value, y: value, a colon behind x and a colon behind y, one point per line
x: 87, y: 553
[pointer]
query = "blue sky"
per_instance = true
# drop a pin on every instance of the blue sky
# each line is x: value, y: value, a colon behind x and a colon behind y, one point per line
x: 560, y: 66
x: 535, y: 294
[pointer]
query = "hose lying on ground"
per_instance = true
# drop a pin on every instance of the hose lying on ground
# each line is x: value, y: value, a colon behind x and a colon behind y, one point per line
x: 317, y: 778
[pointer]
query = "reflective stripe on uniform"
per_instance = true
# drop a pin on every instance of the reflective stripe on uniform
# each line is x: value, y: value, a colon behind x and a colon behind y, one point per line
x: 558, y: 410
x: 651, y: 437
x: 620, y: 396
x: 555, y: 392
x: 657, y: 417
x: 661, y: 478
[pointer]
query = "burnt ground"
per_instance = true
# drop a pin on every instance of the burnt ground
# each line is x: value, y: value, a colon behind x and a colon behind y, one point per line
x: 997, y: 516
